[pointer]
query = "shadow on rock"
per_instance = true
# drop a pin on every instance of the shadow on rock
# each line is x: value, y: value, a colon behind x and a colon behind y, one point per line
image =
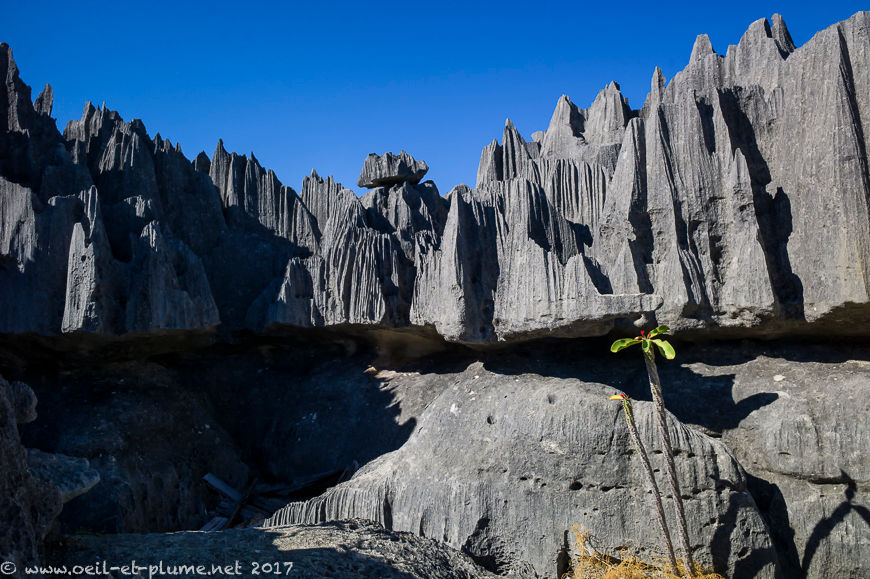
x: 772, y: 505
x: 704, y: 401
x: 749, y: 563
x: 297, y: 413
x: 826, y: 525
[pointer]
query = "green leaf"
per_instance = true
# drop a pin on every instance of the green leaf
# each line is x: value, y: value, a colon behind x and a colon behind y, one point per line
x: 623, y: 343
x: 646, y: 346
x: 666, y: 349
x: 660, y: 330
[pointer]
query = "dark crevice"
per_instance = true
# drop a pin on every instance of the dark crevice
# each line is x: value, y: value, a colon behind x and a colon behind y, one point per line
x: 599, y: 279
x: 708, y: 132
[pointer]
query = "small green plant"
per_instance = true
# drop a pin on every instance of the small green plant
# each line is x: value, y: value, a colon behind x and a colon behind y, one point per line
x: 651, y: 479
x: 649, y: 344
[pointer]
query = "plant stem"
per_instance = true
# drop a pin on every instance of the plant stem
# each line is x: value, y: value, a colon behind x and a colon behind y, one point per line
x: 659, y: 404
x: 632, y: 428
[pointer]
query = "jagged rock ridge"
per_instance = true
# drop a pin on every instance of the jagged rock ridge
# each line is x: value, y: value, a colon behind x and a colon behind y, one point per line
x: 737, y: 197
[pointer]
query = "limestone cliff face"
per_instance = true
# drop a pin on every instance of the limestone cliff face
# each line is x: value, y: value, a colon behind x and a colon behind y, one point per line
x: 736, y: 199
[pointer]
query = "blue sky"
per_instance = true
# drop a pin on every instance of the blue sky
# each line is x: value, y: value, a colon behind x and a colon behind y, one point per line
x: 321, y: 85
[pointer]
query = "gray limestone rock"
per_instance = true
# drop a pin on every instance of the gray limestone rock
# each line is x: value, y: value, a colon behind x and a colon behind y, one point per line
x: 254, y: 198
x: 503, y: 466
x: 44, y: 102
x: 192, y: 206
x: 360, y: 274
x: 353, y: 548
x: 202, y: 163
x: 74, y: 236
x: 389, y: 169
x: 72, y: 477
x: 482, y: 283
x: 91, y: 302
x: 414, y: 213
x: 698, y: 204
x: 360, y: 278
x: 464, y: 270
x: 34, y: 247
x: 23, y: 401
x: 19, y: 532
x: 761, y: 90
x: 29, y: 500
x: 717, y: 200
x: 607, y: 117
x: 169, y: 290
x: 325, y: 198
x: 803, y: 445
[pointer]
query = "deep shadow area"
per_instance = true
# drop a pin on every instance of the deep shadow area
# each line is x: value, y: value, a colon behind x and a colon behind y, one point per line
x: 273, y: 410
x: 296, y: 411
x: 825, y: 351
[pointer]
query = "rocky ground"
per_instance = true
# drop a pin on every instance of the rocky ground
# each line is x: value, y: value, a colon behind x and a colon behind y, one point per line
x: 341, y: 549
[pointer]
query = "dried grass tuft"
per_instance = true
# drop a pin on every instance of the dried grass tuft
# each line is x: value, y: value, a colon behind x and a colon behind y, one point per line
x: 624, y: 566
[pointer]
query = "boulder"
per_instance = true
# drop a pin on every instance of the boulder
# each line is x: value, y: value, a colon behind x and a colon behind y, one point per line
x: 72, y: 477
x: 23, y: 401
x: 389, y: 169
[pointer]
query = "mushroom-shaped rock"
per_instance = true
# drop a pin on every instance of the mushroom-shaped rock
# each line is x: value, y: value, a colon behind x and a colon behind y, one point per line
x: 71, y: 476
x: 389, y: 169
